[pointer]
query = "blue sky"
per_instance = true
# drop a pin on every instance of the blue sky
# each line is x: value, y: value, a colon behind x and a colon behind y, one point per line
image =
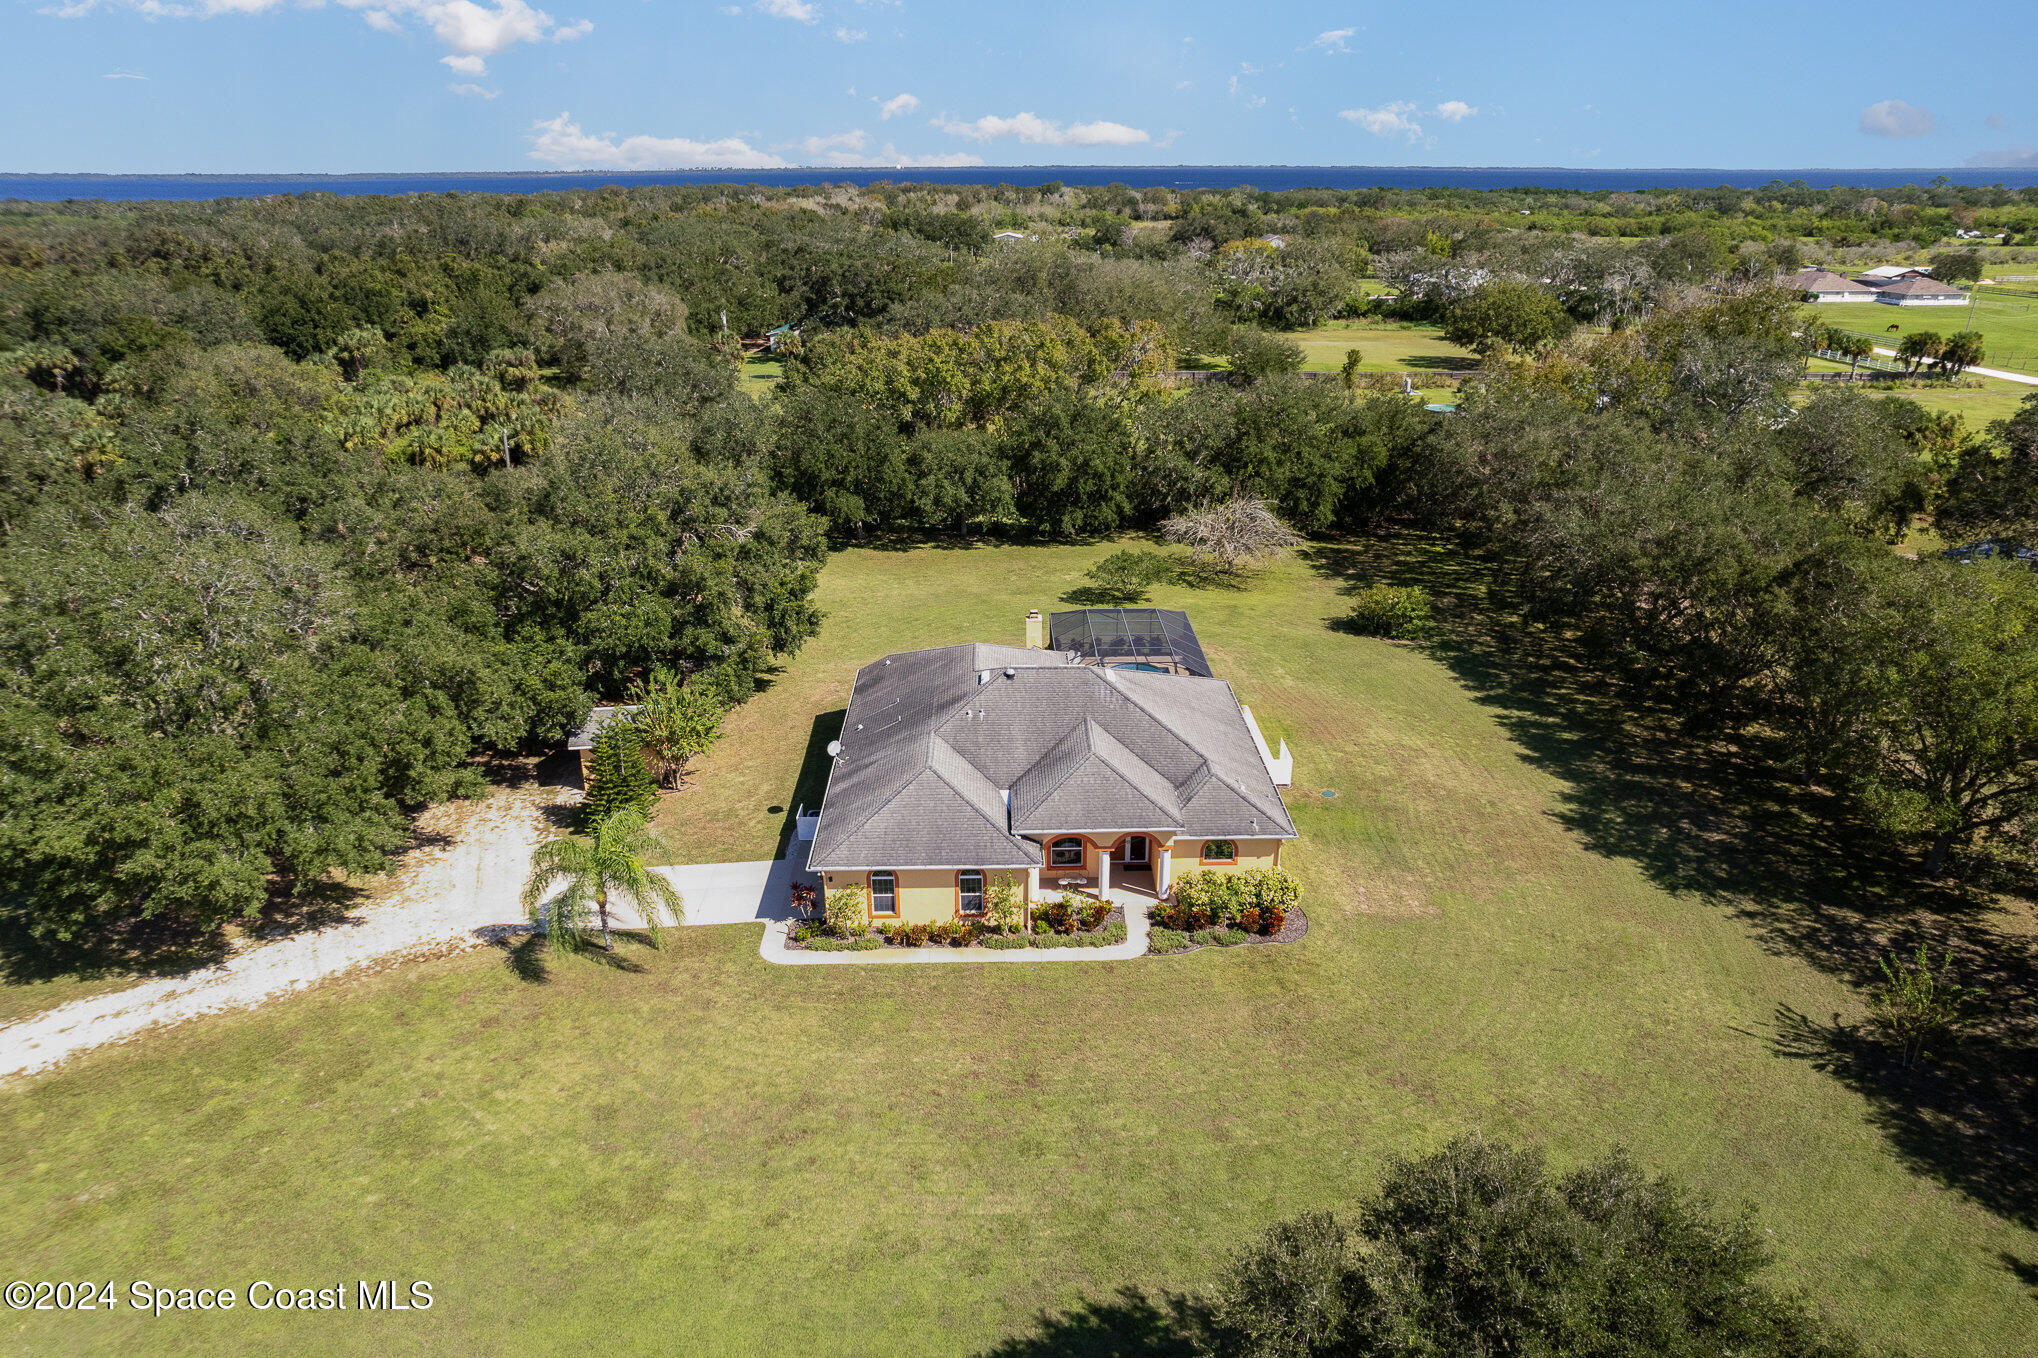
x: 274, y: 86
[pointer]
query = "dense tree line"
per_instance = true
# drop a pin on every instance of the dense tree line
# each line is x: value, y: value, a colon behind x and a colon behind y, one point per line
x: 304, y: 502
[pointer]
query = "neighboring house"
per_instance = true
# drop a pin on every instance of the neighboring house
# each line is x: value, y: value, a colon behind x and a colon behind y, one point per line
x: 1012, y: 237
x: 1823, y: 285
x: 1279, y: 243
x: 965, y: 763
x: 582, y: 740
x: 1889, y: 273
x: 1920, y: 292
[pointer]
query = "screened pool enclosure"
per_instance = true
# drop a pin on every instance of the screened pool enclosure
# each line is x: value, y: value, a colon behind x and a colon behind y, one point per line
x: 1155, y: 639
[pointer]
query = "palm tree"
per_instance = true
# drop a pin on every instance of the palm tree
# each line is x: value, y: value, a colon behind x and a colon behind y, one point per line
x: 608, y: 863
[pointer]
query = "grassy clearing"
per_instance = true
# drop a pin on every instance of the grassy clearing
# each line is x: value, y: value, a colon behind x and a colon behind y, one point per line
x: 1525, y: 920
x: 2008, y: 325
x: 1383, y: 347
x: 760, y: 374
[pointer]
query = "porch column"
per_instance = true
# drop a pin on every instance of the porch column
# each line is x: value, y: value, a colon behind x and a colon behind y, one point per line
x: 1163, y: 856
x: 1103, y: 872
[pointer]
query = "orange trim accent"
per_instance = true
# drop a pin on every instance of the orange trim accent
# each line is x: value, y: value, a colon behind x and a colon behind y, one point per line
x: 1084, y: 840
x: 983, y: 892
x: 870, y: 901
x: 1204, y: 848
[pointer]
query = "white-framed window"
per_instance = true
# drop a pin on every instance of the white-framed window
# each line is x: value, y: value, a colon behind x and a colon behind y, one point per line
x: 1065, y: 853
x: 884, y: 893
x: 969, y: 891
x: 1220, y: 851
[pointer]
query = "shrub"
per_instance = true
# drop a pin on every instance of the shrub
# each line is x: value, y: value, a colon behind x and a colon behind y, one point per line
x: 1063, y: 912
x: 618, y: 776
x: 804, y: 898
x: 848, y: 915
x: 1480, y: 1249
x: 802, y: 933
x: 1007, y: 942
x: 1040, y: 924
x: 1221, y: 938
x: 1001, y: 903
x: 1249, y: 919
x: 1094, y: 913
x: 964, y: 933
x: 1385, y: 611
x: 940, y: 931
x: 1166, y: 940
x: 916, y: 935
x: 1914, y: 1004
x: 1125, y: 577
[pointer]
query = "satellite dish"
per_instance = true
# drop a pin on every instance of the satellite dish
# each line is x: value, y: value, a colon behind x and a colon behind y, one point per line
x: 834, y: 748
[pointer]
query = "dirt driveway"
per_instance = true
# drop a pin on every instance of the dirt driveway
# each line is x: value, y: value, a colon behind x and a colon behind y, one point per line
x: 457, y: 893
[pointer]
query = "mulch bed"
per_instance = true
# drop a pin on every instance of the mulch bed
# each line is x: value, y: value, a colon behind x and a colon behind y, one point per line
x: 1117, y: 916
x: 1296, y: 925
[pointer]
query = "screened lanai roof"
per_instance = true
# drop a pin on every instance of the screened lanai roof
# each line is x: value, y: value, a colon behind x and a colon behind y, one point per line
x: 1157, y: 637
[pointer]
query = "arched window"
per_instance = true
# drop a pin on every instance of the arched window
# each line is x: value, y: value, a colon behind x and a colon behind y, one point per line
x: 884, y: 893
x: 969, y: 891
x: 1065, y: 853
x: 1219, y: 851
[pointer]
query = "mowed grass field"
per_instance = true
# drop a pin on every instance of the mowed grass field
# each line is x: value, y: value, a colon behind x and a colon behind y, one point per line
x: 693, y: 1151
x: 2007, y: 323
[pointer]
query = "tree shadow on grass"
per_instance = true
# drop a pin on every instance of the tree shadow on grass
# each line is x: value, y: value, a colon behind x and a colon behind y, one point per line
x: 1131, y: 1325
x: 1721, y: 821
x: 530, y: 958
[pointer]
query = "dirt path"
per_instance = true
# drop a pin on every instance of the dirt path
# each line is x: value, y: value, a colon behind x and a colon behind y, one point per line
x: 440, y: 899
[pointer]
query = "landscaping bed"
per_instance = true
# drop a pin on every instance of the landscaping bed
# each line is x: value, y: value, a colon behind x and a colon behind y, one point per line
x: 1163, y: 942
x: 1109, y: 928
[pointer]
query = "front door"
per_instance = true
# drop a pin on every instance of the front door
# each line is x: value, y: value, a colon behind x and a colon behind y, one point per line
x: 1132, y: 852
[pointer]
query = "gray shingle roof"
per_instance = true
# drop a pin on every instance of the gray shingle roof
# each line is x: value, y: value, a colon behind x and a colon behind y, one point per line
x: 1920, y: 287
x: 583, y: 739
x: 1821, y: 280
x: 929, y: 748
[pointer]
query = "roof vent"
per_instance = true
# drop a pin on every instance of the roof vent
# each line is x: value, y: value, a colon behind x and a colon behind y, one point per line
x: 1010, y: 671
x: 834, y: 748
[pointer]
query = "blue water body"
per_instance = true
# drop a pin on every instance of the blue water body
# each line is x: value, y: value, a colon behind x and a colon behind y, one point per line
x: 128, y: 188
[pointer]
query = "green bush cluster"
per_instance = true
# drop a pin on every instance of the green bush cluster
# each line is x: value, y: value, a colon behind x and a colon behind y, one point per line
x: 1166, y: 940
x: 1256, y: 900
x: 848, y: 914
x: 1389, y: 611
x: 1219, y: 937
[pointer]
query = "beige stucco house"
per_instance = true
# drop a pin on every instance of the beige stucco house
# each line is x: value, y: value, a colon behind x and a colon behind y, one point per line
x: 1105, y: 758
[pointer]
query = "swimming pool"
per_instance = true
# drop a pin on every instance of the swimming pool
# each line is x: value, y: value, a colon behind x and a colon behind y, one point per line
x: 1141, y: 665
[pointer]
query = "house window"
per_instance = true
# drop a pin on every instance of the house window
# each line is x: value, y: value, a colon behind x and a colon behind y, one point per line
x: 969, y: 891
x: 1219, y: 851
x: 884, y: 893
x: 1065, y: 853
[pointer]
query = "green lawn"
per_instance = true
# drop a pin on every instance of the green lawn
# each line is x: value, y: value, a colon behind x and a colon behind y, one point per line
x: 1384, y: 346
x: 1517, y: 929
x: 2008, y: 324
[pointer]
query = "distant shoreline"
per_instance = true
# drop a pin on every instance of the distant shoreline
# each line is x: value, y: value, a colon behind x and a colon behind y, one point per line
x: 54, y: 187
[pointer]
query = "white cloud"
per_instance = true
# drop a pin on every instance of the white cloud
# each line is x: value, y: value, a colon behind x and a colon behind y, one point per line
x: 1029, y: 127
x: 790, y: 9
x: 1398, y: 118
x: 897, y: 104
x: 473, y: 91
x: 464, y: 27
x: 1388, y: 120
x: 122, y: 75
x: 1333, y: 41
x: 1997, y: 121
x: 2009, y: 158
x: 465, y: 65
x: 851, y: 34
x: 841, y: 142
x: 560, y: 141
x: 1895, y: 118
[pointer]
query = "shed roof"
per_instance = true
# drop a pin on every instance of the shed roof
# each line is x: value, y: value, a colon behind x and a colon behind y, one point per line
x: 583, y: 739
